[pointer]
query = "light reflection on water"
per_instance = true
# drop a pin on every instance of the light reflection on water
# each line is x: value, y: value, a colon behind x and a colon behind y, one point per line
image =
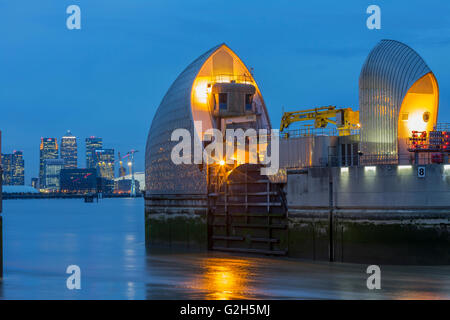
x: 43, y: 237
x: 225, y: 278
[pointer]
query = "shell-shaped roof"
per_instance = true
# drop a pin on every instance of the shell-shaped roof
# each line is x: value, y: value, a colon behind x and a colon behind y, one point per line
x: 177, y: 110
x: 392, y: 66
x: 390, y: 69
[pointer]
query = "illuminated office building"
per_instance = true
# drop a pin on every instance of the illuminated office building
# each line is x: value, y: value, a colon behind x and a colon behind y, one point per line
x: 7, y: 169
x: 92, y: 144
x: 18, y: 169
x: 13, y: 169
x: 104, y: 162
x: 68, y: 151
x: 48, y: 150
x: 52, y: 170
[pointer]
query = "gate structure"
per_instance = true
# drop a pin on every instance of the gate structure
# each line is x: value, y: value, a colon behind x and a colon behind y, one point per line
x: 247, y: 212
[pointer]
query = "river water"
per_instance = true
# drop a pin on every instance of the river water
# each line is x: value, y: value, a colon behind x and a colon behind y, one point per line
x: 106, y: 240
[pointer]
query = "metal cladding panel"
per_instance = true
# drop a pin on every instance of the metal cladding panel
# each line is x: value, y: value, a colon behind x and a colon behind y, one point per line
x: 174, y: 112
x: 303, y: 152
x: 388, y: 72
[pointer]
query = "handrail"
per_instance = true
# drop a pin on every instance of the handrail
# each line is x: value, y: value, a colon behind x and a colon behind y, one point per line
x: 227, y: 78
x: 310, y: 131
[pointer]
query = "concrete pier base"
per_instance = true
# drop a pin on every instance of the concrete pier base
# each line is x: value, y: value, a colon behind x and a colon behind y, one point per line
x: 375, y: 237
x: 381, y: 214
x: 176, y: 220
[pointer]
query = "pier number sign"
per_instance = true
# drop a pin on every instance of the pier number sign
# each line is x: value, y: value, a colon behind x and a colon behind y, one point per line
x: 421, y: 172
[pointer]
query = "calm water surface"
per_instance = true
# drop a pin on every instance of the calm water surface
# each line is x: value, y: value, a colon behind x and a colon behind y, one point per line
x: 106, y: 239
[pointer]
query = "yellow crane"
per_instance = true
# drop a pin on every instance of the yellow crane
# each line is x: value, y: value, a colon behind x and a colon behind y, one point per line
x: 345, y: 119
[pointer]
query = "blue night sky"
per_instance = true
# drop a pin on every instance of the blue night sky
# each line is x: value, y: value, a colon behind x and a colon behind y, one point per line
x: 108, y: 78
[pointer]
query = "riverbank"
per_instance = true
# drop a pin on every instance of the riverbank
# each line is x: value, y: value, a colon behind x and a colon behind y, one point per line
x: 9, y: 196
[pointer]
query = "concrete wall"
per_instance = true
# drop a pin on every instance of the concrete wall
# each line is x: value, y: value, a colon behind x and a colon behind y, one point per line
x: 297, y: 152
x: 176, y: 220
x: 384, y: 186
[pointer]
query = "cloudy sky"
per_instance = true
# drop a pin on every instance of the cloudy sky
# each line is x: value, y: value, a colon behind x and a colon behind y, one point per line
x: 108, y: 78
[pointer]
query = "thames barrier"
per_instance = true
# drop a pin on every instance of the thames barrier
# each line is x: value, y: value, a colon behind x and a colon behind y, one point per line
x: 374, y: 188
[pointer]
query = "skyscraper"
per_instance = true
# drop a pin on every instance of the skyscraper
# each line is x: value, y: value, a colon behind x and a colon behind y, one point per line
x: 18, y: 169
x: 48, y: 150
x: 13, y: 169
x: 52, y: 170
x: 105, y: 163
x: 92, y: 144
x: 7, y: 169
x: 68, y: 151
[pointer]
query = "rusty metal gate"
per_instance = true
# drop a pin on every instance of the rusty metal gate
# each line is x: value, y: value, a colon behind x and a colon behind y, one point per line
x: 247, y: 212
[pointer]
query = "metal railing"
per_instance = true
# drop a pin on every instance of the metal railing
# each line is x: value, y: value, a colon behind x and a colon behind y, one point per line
x: 226, y: 78
x: 308, y: 131
x: 442, y: 127
x: 380, y: 159
x: 365, y: 160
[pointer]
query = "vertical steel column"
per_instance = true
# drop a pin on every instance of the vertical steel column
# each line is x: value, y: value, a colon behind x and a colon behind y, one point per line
x: 227, y: 214
x: 330, y: 215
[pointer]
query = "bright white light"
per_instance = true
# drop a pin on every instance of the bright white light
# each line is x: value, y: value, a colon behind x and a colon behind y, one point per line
x: 221, y: 162
x: 344, y: 170
x: 129, y: 163
x: 201, y: 91
x: 446, y: 166
x: 416, y: 123
x: 370, y: 168
x: 404, y: 167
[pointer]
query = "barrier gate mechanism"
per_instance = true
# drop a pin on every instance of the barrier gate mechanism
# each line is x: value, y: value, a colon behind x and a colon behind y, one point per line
x: 246, y: 212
